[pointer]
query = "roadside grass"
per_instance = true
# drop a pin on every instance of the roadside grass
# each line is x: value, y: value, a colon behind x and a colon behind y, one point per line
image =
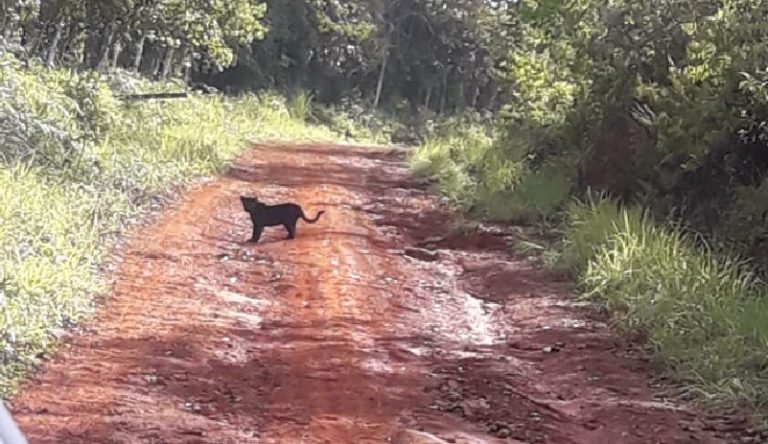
x: 704, y: 314
x: 80, y: 166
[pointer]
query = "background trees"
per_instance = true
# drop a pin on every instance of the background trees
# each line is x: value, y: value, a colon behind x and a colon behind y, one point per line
x: 430, y: 53
x: 156, y: 37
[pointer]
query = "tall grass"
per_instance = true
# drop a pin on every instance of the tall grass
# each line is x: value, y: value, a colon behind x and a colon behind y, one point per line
x: 476, y: 169
x: 300, y: 105
x: 78, y: 166
x: 706, y: 316
x: 453, y: 159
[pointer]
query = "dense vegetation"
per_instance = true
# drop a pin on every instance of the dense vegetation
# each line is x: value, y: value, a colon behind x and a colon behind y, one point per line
x: 634, y: 131
x: 652, y: 114
x: 437, y: 53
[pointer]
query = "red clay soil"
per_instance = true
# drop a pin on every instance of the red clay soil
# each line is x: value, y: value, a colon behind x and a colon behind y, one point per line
x: 376, y: 323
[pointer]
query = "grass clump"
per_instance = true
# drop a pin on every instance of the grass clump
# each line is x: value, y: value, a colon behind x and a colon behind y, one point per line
x: 470, y: 167
x: 49, y: 253
x: 79, y: 165
x: 453, y: 159
x: 707, y: 317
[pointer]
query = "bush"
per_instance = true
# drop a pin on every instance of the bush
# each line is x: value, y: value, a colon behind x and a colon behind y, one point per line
x: 452, y: 159
x: 706, y: 317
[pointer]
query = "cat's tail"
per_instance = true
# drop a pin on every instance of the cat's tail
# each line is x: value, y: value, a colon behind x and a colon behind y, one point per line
x: 311, y: 221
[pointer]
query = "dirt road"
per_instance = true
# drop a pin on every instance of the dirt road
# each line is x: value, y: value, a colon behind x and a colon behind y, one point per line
x: 341, y: 335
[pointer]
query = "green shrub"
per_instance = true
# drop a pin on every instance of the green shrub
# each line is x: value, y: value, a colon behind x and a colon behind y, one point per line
x: 300, y: 106
x: 454, y: 159
x: 539, y: 194
x: 706, y: 317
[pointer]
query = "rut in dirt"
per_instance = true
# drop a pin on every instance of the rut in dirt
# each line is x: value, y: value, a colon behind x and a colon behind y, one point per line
x: 376, y: 322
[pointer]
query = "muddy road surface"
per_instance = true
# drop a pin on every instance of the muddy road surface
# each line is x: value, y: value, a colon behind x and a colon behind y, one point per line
x: 380, y: 323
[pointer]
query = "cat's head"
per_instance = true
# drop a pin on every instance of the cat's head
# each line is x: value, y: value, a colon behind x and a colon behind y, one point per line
x: 250, y: 203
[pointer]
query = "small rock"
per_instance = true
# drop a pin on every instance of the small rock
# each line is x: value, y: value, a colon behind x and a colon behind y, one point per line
x: 151, y: 379
x: 591, y: 425
x: 415, y: 437
x: 247, y: 433
x: 200, y: 433
x: 503, y: 433
x: 421, y: 254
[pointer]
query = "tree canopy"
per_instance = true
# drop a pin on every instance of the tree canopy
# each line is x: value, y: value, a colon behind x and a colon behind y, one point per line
x: 437, y: 54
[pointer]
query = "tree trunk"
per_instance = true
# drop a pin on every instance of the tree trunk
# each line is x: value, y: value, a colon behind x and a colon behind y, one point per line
x: 139, y: 52
x: 90, y: 52
x: 168, y: 62
x: 179, y: 70
x: 444, y: 92
x: 154, y: 67
x: 5, y: 23
x: 50, y: 59
x: 494, y: 98
x: 117, y: 49
x: 71, y: 42
x: 380, y: 83
x: 105, y: 46
x: 475, y: 95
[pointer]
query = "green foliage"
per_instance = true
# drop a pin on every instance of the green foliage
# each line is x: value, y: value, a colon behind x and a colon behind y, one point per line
x: 450, y: 156
x: 50, y: 250
x: 300, y: 106
x: 590, y: 224
x: 663, y: 104
x: 706, y: 317
x: 435, y: 55
x: 201, y: 30
x: 540, y: 194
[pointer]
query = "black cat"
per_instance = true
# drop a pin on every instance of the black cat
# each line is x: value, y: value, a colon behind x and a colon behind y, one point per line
x: 263, y: 215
